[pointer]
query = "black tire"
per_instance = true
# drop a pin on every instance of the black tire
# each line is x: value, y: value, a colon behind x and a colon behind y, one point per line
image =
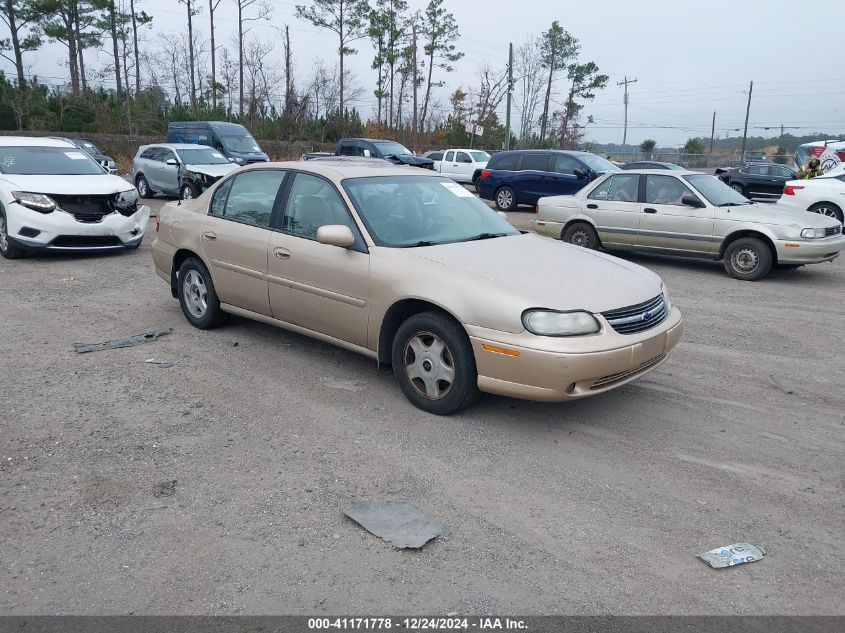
x: 826, y: 208
x: 505, y: 198
x: 581, y: 234
x: 457, y: 354
x: 748, y: 258
x: 7, y: 249
x: 143, y: 188
x: 189, y: 191
x: 739, y: 189
x: 211, y: 316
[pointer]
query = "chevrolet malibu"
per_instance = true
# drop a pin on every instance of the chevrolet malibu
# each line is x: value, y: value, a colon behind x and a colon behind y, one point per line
x: 410, y: 269
x: 693, y: 215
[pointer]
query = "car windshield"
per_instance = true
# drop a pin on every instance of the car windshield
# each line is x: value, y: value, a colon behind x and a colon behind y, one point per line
x: 240, y: 143
x: 390, y: 148
x: 597, y: 163
x: 47, y: 161
x: 480, y: 157
x: 90, y: 147
x: 407, y: 211
x: 715, y: 191
x: 202, y: 156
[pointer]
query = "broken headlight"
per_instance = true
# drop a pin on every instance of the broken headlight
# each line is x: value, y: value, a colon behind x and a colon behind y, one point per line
x: 35, y: 201
x: 126, y: 199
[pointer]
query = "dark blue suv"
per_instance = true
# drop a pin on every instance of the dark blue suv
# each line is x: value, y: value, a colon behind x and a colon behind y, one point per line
x: 525, y: 176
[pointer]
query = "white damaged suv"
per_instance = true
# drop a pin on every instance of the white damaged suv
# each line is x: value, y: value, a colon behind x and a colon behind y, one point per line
x: 55, y: 197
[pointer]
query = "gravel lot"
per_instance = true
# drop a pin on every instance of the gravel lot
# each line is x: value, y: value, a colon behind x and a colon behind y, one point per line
x: 598, y: 506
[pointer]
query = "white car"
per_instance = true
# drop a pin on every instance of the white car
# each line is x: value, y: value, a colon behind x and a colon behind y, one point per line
x: 55, y: 197
x: 461, y: 165
x: 825, y: 195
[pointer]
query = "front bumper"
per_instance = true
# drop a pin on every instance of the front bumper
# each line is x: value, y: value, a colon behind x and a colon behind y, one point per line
x: 809, y: 251
x: 511, y: 364
x: 60, y: 231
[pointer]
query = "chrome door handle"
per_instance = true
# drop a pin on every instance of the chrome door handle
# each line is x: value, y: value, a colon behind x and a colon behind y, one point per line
x: 210, y: 235
x: 592, y: 206
x: 281, y: 253
x: 650, y: 210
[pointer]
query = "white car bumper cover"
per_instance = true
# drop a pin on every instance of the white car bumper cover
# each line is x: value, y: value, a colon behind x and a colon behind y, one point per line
x: 128, y: 230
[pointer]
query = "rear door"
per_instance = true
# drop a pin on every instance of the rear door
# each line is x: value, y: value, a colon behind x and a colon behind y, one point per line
x: 235, y: 236
x: 757, y: 178
x: 463, y: 167
x: 534, y: 179
x: 446, y: 163
x: 780, y: 175
x: 615, y: 208
x: 666, y: 223
x: 317, y: 286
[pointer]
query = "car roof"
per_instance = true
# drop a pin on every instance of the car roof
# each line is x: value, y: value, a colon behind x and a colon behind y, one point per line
x: 660, y: 172
x: 34, y: 141
x: 338, y: 170
x: 573, y: 152
x: 177, y: 146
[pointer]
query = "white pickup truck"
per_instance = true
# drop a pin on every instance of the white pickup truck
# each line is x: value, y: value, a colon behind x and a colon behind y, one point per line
x: 461, y: 165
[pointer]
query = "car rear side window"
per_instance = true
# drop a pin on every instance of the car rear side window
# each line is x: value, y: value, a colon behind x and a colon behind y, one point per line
x: 758, y: 170
x: 218, y: 200
x: 505, y: 162
x: 462, y: 157
x: 347, y: 149
x: 448, y: 157
x: 151, y: 153
x: 567, y: 165
x: 251, y: 196
x: 313, y: 202
x: 436, y: 156
x: 619, y: 188
x: 535, y: 162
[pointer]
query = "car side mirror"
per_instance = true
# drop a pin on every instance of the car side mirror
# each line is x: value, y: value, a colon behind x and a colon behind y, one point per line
x: 336, y: 235
x: 692, y: 201
x: 231, y: 160
x: 580, y: 175
x: 171, y: 161
x: 367, y: 153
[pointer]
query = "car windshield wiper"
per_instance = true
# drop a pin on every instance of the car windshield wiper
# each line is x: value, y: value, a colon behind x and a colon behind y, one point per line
x: 484, y: 236
x: 416, y: 244
x: 734, y: 204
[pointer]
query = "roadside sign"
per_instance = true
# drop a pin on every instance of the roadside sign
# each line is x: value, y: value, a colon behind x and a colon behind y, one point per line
x: 468, y: 128
x: 472, y: 128
x: 479, y: 130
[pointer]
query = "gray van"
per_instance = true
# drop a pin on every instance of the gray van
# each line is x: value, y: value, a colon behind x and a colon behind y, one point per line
x: 230, y: 139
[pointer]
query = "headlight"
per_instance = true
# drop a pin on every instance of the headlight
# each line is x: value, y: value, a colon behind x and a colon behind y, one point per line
x: 240, y: 161
x: 550, y: 323
x: 665, y: 292
x: 35, y: 201
x: 126, y: 198
x: 813, y: 234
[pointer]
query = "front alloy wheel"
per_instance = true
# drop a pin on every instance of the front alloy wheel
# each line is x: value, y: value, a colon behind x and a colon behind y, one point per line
x: 7, y: 250
x: 429, y: 365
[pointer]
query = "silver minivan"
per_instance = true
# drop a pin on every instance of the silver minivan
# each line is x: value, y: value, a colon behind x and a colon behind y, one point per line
x: 178, y: 169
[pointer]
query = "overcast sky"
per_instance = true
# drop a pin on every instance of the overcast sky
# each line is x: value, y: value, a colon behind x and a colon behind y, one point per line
x: 690, y: 58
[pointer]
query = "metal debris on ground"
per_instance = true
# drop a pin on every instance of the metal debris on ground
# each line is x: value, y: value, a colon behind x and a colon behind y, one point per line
x: 140, y: 339
x: 344, y: 385
x: 165, y: 488
x: 231, y: 343
x: 396, y: 522
x: 779, y: 383
x: 730, y: 555
x: 159, y: 363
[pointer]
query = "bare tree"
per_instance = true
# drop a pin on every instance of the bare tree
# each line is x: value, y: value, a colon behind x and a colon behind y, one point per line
x: 192, y: 11
x: 530, y: 81
x: 492, y: 90
x: 262, y: 12
x: 440, y: 32
x: 558, y: 50
x: 212, y: 7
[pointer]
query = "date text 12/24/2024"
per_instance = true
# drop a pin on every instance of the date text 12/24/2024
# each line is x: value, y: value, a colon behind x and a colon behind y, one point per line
x: 418, y: 624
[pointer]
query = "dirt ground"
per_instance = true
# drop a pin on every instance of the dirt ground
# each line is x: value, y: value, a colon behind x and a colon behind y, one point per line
x: 593, y: 507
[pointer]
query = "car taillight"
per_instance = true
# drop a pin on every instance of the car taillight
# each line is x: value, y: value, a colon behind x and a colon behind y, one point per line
x: 484, y: 174
x: 789, y: 190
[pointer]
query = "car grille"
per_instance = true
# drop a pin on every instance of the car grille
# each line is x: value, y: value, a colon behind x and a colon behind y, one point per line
x: 622, y: 375
x: 90, y: 209
x: 86, y: 241
x: 637, y: 318
x: 832, y: 230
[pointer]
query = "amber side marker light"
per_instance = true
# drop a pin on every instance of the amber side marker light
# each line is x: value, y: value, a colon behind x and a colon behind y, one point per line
x: 501, y: 350
x: 790, y: 245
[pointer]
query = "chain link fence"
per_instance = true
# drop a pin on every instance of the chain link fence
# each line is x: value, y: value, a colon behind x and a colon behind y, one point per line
x: 698, y: 161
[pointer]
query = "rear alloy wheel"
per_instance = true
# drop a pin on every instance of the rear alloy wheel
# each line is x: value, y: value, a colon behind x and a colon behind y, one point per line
x: 434, y: 364
x: 197, y: 297
x: 7, y: 249
x: 827, y: 208
x: 506, y: 199
x: 143, y: 187
x: 581, y: 234
x: 189, y: 191
x: 748, y: 258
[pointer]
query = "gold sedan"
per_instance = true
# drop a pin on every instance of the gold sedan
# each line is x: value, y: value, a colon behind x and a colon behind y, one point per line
x: 409, y: 268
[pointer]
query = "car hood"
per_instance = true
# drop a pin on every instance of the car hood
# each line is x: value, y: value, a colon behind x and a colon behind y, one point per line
x: 215, y: 171
x: 549, y: 273
x: 94, y: 184
x: 773, y: 214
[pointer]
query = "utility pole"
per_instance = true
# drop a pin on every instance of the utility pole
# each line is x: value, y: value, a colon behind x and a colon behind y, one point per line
x: 510, y: 92
x: 625, y: 101
x: 712, y: 132
x: 747, y: 112
x: 414, y: 126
